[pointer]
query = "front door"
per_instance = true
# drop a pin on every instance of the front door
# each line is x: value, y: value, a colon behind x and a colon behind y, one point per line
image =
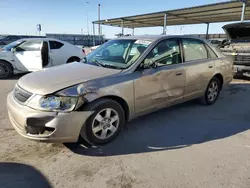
x: 163, y: 85
x: 27, y: 56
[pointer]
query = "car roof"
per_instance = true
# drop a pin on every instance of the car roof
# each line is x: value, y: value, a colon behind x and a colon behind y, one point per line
x: 156, y: 37
x: 27, y: 39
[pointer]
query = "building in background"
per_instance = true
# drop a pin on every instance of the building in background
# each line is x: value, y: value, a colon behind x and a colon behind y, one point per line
x: 78, y: 39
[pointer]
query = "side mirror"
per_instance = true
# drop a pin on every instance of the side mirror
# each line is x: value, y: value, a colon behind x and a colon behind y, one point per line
x: 151, y: 64
x: 13, y: 50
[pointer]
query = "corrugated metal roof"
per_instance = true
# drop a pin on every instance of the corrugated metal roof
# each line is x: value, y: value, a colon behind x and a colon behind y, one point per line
x: 219, y: 12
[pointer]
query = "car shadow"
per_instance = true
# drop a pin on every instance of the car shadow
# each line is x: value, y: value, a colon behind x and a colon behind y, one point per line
x: 16, y: 175
x: 178, y: 127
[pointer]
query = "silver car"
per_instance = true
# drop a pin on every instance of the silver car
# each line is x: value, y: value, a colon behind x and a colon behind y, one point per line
x: 122, y: 79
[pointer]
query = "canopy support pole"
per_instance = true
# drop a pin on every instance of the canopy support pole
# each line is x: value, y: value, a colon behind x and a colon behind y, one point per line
x: 93, y: 34
x: 243, y: 11
x: 207, y: 30
x: 165, y: 24
x: 122, y: 27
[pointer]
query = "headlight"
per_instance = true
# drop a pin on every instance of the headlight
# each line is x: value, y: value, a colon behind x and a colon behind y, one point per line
x: 53, y: 103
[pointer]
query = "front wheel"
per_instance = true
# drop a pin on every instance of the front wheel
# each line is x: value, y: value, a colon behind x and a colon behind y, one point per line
x: 105, y: 123
x: 5, y: 69
x: 212, y: 92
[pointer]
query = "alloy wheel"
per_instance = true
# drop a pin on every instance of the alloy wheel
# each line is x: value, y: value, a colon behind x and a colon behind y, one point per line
x: 105, y: 123
x: 213, y: 91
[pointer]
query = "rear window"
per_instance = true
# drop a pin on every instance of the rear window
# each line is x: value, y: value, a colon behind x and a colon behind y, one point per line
x: 55, y: 45
x: 211, y: 53
x: 194, y: 50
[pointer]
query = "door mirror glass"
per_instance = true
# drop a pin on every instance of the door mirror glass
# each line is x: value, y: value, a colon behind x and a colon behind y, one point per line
x: 151, y: 64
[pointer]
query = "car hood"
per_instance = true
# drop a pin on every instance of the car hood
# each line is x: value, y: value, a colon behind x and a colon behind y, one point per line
x: 3, y: 53
x: 56, y: 78
x: 238, y: 31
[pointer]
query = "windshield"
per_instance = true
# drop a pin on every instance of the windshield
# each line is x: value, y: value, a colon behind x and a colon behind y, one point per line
x: 117, y: 54
x: 12, y: 45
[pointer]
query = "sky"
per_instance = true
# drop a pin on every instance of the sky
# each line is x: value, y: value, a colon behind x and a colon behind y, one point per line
x: 70, y: 16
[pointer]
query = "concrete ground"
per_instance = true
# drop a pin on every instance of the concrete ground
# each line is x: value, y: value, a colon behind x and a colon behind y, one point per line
x: 188, y: 145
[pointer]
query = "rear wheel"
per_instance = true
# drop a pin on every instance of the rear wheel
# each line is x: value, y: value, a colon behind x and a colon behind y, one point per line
x: 212, y: 92
x: 5, y: 69
x: 105, y: 123
x: 73, y: 59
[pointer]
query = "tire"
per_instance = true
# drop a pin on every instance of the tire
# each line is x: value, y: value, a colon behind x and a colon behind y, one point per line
x: 97, y: 125
x: 212, y: 92
x: 73, y: 59
x: 5, y: 69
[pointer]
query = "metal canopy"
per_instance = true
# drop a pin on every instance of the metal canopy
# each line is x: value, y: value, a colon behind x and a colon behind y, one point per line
x: 212, y: 13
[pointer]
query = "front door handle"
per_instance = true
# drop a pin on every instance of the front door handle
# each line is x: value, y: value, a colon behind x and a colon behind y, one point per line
x: 178, y: 73
x: 210, y: 66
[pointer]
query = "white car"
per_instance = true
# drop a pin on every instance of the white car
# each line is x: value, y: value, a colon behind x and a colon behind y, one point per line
x: 93, y: 48
x: 28, y: 55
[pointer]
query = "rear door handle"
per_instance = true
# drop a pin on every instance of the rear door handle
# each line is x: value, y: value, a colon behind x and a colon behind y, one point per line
x: 178, y: 73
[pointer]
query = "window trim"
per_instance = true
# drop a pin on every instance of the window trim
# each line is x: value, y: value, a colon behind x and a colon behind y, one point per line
x: 166, y: 39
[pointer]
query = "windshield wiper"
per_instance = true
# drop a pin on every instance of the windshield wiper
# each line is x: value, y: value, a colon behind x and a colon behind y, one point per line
x: 111, y: 66
x: 98, y: 63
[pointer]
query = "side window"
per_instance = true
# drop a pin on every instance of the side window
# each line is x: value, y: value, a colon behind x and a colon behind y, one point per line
x: 194, y: 49
x: 211, y: 53
x: 32, y: 45
x: 55, y: 45
x: 166, y: 52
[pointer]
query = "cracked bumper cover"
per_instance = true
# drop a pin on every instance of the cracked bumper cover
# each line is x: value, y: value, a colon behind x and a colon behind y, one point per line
x: 66, y: 126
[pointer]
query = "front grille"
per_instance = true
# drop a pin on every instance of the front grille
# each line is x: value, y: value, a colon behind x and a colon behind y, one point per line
x: 242, y: 60
x: 21, y: 95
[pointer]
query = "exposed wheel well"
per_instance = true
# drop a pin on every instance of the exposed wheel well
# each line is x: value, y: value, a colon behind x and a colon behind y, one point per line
x: 73, y: 58
x: 12, y: 68
x: 220, y: 78
x: 119, y: 100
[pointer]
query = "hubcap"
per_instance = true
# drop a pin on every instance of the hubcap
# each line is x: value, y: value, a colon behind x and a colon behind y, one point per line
x: 105, y: 123
x: 4, y: 70
x: 213, y: 91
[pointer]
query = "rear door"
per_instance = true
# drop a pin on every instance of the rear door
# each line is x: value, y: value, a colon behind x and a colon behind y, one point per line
x: 199, y: 66
x: 27, y: 56
x: 57, y: 54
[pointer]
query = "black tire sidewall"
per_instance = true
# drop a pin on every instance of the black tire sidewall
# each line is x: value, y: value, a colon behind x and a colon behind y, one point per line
x: 9, y: 67
x: 89, y: 135
x: 206, y: 94
x: 73, y: 59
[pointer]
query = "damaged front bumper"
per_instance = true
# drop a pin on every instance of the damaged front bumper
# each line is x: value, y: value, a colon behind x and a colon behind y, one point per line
x: 241, y: 70
x: 45, y: 126
x: 241, y: 62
